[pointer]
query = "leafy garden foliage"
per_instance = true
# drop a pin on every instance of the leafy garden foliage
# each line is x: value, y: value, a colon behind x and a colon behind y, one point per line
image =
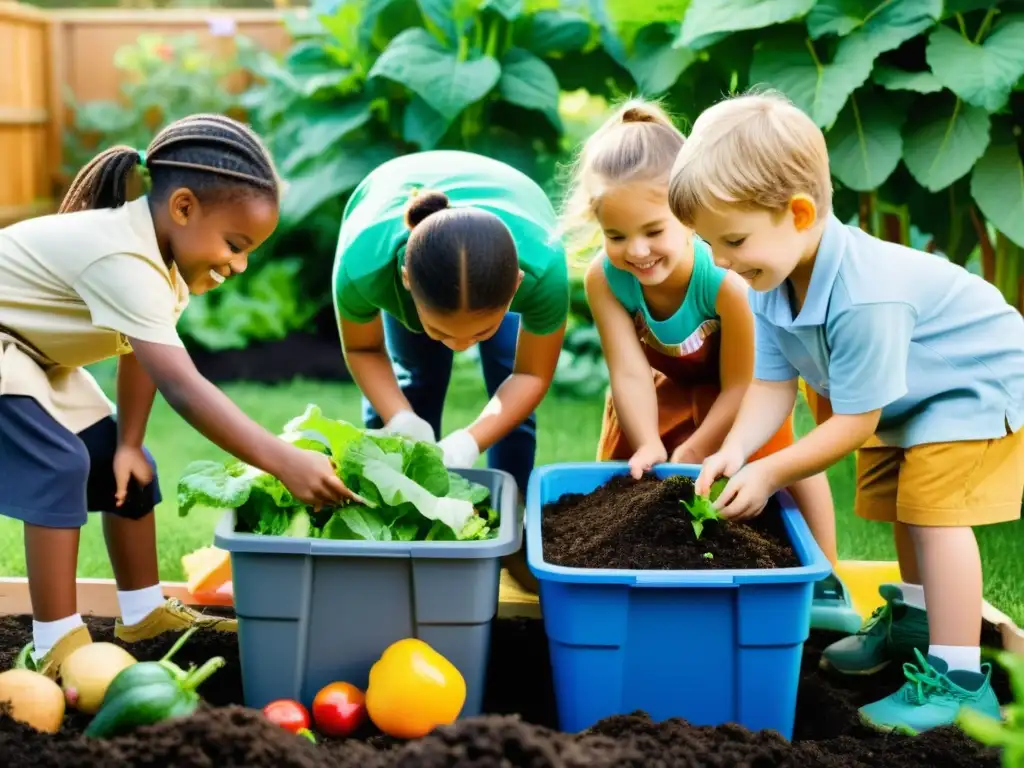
x: 407, y: 493
x: 1007, y: 734
x: 920, y: 99
x: 922, y: 103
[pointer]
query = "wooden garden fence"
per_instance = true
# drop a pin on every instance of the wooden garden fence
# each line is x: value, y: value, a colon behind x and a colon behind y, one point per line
x: 46, y: 54
x: 29, y: 138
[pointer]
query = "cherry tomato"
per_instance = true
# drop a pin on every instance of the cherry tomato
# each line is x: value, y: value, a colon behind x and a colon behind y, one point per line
x: 339, y: 709
x: 288, y: 714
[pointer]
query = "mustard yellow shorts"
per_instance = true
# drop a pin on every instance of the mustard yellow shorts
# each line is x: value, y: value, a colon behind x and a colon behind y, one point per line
x: 979, y: 482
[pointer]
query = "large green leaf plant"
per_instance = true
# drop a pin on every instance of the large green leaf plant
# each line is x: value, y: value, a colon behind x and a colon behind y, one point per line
x: 921, y: 101
x: 367, y: 80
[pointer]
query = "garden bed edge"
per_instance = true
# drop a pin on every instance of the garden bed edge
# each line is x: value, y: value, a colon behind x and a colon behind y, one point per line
x: 98, y: 597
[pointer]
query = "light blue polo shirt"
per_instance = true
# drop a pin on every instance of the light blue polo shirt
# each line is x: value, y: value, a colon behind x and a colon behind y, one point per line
x: 937, y: 348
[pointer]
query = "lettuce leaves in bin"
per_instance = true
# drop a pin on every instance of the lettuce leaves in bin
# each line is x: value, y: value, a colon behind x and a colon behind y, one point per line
x: 410, y: 494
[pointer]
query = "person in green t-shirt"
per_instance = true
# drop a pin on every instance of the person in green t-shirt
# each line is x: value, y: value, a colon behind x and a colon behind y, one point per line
x: 439, y: 251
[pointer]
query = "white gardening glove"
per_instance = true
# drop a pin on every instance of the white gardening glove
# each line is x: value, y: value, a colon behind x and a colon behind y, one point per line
x: 460, y: 449
x: 408, y: 424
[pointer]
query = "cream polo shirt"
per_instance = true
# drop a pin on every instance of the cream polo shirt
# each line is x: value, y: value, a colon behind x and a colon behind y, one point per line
x: 74, y: 287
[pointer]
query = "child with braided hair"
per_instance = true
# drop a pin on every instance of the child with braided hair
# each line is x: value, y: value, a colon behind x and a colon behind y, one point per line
x: 107, y: 277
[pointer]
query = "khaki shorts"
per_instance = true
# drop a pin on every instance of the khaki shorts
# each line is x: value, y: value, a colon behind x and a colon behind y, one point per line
x: 968, y: 483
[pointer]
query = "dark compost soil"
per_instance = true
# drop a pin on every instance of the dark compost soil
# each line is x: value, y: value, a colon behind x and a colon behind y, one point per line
x: 519, y: 733
x: 642, y: 524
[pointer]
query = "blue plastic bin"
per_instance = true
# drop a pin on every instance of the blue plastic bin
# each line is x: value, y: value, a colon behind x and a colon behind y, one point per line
x: 315, y: 611
x: 711, y: 647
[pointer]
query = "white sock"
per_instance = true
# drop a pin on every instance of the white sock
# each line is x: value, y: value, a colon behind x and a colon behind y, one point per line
x: 963, y: 657
x: 913, y: 594
x: 45, y: 634
x: 139, y: 603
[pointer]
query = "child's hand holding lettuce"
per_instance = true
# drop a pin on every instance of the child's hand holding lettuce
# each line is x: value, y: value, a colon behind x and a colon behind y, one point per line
x: 409, y: 494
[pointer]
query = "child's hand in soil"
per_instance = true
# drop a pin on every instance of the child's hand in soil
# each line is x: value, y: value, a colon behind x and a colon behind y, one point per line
x: 129, y: 462
x: 746, y: 493
x: 645, y: 457
x: 725, y: 463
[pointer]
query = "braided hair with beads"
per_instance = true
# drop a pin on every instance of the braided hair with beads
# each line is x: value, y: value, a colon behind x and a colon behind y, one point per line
x: 212, y: 155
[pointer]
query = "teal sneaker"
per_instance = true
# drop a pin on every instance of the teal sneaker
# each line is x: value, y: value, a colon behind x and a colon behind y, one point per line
x: 932, y: 697
x: 831, y: 607
x: 892, y: 633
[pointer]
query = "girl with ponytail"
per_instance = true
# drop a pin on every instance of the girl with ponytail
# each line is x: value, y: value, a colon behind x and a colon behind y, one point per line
x: 440, y: 251
x: 108, y: 277
x: 677, y: 331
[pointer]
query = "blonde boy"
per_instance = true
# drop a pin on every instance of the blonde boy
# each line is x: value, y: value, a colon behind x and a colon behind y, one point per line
x: 923, y: 363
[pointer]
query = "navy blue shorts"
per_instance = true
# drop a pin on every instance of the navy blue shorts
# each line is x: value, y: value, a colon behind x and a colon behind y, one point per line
x: 53, y: 477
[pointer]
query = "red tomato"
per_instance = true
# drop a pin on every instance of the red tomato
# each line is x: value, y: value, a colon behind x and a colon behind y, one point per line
x: 339, y: 709
x: 288, y: 714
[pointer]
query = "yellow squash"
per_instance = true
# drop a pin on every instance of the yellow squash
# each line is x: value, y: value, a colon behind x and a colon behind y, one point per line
x: 33, y: 699
x: 88, y: 671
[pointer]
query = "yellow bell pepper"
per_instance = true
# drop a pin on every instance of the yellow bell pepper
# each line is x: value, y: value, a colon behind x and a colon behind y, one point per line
x: 413, y: 689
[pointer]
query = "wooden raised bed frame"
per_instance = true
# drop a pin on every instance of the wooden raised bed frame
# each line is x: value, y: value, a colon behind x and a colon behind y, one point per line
x: 98, y: 597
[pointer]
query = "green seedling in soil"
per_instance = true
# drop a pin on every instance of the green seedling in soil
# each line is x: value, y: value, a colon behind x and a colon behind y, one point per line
x: 701, y: 510
x: 149, y: 692
x: 1007, y: 734
x: 708, y: 556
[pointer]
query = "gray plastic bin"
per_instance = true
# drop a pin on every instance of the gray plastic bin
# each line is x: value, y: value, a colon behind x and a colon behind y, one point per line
x: 314, y: 611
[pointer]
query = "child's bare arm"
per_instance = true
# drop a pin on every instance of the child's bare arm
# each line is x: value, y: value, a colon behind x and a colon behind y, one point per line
x: 766, y: 404
x: 309, y: 475
x: 370, y: 365
x: 769, y: 399
x: 819, y: 449
x: 636, y: 401
x: 764, y: 409
x: 206, y: 408
x: 135, y: 394
x: 520, y: 394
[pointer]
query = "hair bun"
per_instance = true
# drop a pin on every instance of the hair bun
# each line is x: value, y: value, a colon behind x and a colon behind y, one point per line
x: 422, y: 204
x: 638, y: 115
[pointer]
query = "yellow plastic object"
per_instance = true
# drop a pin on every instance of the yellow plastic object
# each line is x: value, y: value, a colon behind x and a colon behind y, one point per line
x: 862, y: 579
x: 207, y: 570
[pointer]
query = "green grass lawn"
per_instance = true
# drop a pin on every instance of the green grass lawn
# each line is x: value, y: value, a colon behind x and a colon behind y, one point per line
x: 568, y: 431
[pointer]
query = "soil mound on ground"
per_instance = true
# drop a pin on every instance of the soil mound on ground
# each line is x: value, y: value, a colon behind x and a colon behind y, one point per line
x: 519, y: 733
